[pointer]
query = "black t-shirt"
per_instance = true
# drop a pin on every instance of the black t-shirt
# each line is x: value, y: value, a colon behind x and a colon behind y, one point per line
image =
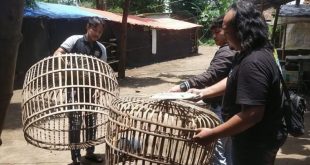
x: 254, y: 80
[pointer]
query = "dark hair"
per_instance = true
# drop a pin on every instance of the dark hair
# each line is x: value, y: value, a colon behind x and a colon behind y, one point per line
x: 250, y: 26
x: 217, y: 23
x: 95, y: 21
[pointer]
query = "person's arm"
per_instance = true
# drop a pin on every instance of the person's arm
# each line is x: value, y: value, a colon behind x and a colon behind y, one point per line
x: 59, y: 51
x: 218, y: 69
x: 248, y: 117
x: 217, y: 89
x: 67, y: 45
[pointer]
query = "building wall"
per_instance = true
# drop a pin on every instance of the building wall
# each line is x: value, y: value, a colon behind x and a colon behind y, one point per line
x: 171, y: 44
x: 42, y: 36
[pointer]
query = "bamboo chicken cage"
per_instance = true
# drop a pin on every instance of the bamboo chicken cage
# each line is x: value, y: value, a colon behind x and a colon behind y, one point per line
x: 148, y: 131
x: 65, y: 103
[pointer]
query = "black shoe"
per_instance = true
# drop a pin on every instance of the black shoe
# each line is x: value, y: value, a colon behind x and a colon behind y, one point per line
x: 94, y: 158
x: 75, y: 163
x: 76, y: 160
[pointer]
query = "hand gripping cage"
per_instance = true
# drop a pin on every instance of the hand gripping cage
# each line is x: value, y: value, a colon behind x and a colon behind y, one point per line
x: 65, y: 101
x: 145, y: 131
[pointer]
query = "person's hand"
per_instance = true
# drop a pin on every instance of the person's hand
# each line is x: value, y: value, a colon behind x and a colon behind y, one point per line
x: 197, y: 92
x: 95, y: 94
x: 57, y: 54
x: 175, y: 89
x: 204, y: 136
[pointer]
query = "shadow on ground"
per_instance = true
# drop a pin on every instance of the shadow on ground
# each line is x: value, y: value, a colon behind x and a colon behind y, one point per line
x: 292, y: 161
x: 298, y: 146
x: 182, y: 77
x: 13, y: 117
x: 135, y: 82
x: 87, y: 162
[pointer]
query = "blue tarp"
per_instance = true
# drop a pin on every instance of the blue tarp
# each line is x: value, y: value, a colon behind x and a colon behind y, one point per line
x: 57, y: 11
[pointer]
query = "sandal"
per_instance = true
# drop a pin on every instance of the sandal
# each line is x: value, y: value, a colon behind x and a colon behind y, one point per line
x: 94, y: 158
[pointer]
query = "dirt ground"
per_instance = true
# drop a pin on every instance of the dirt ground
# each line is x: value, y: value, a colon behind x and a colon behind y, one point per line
x: 142, y: 81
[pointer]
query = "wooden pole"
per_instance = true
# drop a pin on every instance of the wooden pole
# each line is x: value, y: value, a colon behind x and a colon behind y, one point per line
x: 284, y: 43
x: 123, y: 42
x: 275, y: 23
x: 11, y: 17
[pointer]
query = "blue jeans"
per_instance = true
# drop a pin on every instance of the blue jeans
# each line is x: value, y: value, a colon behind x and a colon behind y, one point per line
x: 222, y: 154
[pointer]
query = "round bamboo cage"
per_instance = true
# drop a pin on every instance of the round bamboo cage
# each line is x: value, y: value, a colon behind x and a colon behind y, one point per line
x: 148, y: 131
x: 65, y: 101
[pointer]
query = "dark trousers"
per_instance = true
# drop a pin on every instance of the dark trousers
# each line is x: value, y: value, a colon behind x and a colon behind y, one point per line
x: 76, y: 120
x: 256, y: 153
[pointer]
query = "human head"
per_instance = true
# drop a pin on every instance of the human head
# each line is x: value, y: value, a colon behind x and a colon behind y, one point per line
x: 244, y: 27
x: 217, y: 31
x: 94, y: 28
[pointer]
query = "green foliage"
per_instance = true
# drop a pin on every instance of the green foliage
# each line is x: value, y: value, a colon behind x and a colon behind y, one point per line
x: 206, y: 41
x: 30, y: 3
x: 191, y: 6
x: 88, y: 3
x: 212, y: 10
x: 115, y: 10
x: 204, y: 12
x: 137, y: 6
x: 115, y: 6
x: 146, y: 6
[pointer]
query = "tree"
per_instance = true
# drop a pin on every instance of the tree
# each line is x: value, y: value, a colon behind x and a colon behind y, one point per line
x: 137, y: 6
x: 101, y: 4
x: 212, y: 10
x: 187, y: 9
x: 11, y: 16
x: 147, y: 6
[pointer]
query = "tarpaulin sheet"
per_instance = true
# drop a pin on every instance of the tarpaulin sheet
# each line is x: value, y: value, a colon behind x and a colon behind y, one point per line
x: 57, y: 11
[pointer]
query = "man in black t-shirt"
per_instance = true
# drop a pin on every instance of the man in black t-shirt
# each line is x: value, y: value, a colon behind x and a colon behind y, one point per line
x: 84, y: 44
x: 252, y: 91
x: 219, y: 68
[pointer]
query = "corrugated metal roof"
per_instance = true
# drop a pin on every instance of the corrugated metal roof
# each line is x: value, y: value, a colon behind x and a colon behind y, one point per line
x: 265, y: 4
x: 156, y: 23
x: 64, y: 11
x: 295, y: 11
x: 294, y: 14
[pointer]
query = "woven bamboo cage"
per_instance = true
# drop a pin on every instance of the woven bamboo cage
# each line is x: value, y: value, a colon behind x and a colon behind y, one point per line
x: 66, y: 100
x: 146, y: 131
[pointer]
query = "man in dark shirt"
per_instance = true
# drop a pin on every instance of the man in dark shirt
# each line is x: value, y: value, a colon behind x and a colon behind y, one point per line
x: 84, y: 44
x: 219, y: 68
x: 252, y: 96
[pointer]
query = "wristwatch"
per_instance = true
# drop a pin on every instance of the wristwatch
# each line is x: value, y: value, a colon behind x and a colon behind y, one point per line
x: 183, y: 87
